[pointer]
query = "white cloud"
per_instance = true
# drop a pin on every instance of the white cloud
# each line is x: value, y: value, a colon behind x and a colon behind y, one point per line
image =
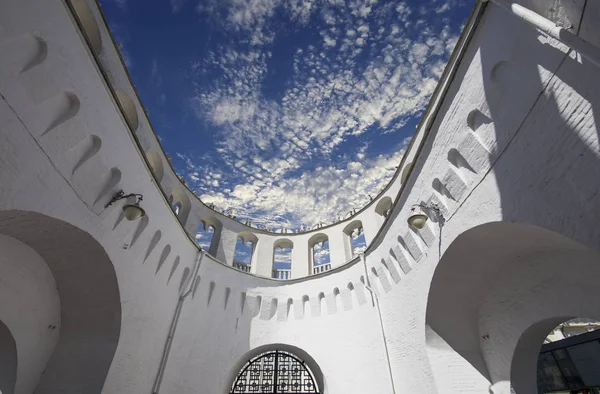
x: 286, y: 160
x: 443, y: 8
x: 323, y: 194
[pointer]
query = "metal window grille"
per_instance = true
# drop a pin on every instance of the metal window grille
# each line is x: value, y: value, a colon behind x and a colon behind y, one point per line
x: 275, y: 372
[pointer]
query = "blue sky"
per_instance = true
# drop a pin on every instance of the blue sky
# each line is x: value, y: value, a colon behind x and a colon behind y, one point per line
x: 285, y: 112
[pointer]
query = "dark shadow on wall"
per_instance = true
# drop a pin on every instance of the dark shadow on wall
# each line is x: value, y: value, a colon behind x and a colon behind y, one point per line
x: 540, y: 132
x: 547, y: 154
x: 497, y: 292
x: 8, y: 361
x: 217, y: 330
x: 89, y: 297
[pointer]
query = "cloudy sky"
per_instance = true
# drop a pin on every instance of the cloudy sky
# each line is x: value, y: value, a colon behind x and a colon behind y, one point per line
x: 285, y: 112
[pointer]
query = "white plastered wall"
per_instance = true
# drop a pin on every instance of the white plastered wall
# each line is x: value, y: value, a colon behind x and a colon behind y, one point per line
x: 33, y: 313
x: 222, y: 321
x: 533, y: 157
x: 67, y: 169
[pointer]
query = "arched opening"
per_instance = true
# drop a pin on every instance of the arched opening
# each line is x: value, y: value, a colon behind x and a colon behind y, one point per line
x: 572, y: 328
x: 89, y: 25
x: 359, y: 243
x: 282, y: 259
x: 318, y: 254
x: 306, y: 306
x: 354, y: 242
x: 155, y: 164
x: 207, y: 236
x: 180, y: 203
x: 8, y: 360
x: 277, y: 368
x: 322, y: 303
x: 384, y: 206
x: 405, y: 172
x: 497, y: 292
x: 569, y: 360
x: 204, y: 237
x: 244, y: 251
x: 65, y: 300
x: 129, y: 110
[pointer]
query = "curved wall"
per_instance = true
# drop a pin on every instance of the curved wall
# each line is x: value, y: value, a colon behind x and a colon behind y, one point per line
x: 523, y: 160
x: 33, y: 316
x: 229, y: 314
x: 194, y: 211
x: 65, y: 152
x: 515, y: 102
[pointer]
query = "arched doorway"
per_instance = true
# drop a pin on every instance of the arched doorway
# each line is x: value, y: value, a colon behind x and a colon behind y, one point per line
x: 497, y: 292
x: 88, y: 320
x: 277, y: 369
x: 569, y: 360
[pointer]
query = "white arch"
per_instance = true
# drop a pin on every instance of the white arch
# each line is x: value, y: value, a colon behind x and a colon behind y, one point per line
x: 211, y: 221
x: 181, y: 198
x: 283, y: 243
x: 497, y: 291
x: 405, y: 172
x: 245, y: 237
x: 348, y: 230
x: 298, y: 352
x: 90, y: 304
x: 318, y: 238
x: 129, y: 109
x: 89, y: 25
x: 155, y: 164
x: 383, y: 206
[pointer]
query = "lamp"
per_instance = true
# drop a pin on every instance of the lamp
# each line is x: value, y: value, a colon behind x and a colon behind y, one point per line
x: 418, y: 216
x: 132, y: 211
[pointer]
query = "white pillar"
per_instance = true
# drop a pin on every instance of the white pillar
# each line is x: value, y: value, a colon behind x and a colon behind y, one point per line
x: 264, y: 257
x: 370, y: 227
x: 300, y: 260
x: 254, y: 258
x: 226, y: 246
x: 192, y: 224
x: 338, y: 254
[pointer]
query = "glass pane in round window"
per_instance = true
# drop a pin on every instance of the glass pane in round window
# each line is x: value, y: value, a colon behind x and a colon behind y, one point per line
x: 275, y: 372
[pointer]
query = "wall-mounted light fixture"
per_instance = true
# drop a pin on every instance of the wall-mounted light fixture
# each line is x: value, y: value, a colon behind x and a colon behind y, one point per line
x: 418, y: 216
x: 132, y: 211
